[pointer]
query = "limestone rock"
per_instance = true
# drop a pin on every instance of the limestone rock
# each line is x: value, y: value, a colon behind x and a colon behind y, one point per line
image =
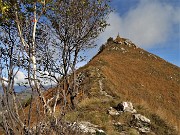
x: 144, y: 129
x: 125, y: 107
x: 88, y: 127
x: 122, y: 49
x: 141, y: 123
x: 113, y: 112
x: 141, y: 118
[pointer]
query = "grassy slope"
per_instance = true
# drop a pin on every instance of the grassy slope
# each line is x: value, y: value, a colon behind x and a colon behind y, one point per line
x: 151, y: 83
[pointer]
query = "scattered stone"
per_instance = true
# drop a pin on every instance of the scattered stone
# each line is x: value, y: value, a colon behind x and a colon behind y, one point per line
x: 122, y: 49
x: 119, y: 42
x: 102, y: 91
x: 144, y: 129
x: 113, y: 112
x: 129, y: 43
x: 115, y: 48
x: 118, y: 126
x: 88, y: 127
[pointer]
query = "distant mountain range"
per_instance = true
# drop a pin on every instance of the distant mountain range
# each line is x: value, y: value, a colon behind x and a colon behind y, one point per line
x: 17, y: 88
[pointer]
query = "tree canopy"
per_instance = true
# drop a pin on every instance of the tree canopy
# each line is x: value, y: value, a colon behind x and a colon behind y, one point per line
x: 44, y: 38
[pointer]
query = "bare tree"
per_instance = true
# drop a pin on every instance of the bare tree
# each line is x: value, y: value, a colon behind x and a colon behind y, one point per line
x: 75, y: 25
x: 48, y: 38
x: 10, y: 61
x: 18, y: 44
x: 30, y: 17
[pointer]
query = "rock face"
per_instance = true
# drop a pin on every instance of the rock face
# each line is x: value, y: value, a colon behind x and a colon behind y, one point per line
x: 125, y: 107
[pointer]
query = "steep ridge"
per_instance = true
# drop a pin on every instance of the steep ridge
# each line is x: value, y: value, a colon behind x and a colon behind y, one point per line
x: 121, y: 71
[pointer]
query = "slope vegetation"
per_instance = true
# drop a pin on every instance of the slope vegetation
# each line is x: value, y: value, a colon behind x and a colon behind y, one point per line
x: 123, y: 72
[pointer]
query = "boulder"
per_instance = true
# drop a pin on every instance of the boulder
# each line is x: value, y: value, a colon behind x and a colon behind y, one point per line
x: 141, y: 123
x: 125, y: 107
x: 141, y: 118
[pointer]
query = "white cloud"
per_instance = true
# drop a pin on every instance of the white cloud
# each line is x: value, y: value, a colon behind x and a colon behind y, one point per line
x: 20, y: 78
x: 45, y: 79
x: 150, y: 23
x: 116, y: 23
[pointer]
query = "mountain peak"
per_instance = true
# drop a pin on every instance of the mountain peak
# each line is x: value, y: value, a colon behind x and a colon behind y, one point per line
x: 131, y: 73
x: 120, y: 72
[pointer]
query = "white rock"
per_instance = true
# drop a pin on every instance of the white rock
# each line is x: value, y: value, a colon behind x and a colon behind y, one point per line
x: 144, y: 129
x: 119, y: 42
x: 128, y: 107
x: 101, y: 131
x: 125, y: 107
x: 122, y: 49
x: 113, y: 112
x: 88, y: 127
x: 141, y: 118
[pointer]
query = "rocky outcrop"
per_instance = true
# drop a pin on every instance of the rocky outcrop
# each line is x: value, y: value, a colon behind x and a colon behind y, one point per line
x: 141, y: 123
x: 121, y: 107
x: 125, y: 107
x: 87, y: 127
x: 141, y: 118
x: 138, y: 122
x: 82, y: 127
x: 102, y: 91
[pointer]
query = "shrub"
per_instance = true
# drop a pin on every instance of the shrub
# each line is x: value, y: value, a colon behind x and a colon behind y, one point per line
x: 160, y: 127
x: 101, y: 48
x: 100, y: 133
x: 26, y: 102
x: 110, y: 39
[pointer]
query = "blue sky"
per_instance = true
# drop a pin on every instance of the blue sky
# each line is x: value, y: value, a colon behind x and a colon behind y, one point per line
x: 153, y: 25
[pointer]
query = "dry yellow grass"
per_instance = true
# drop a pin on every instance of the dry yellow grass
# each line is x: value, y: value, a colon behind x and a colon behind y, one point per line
x: 137, y: 76
x: 144, y: 79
